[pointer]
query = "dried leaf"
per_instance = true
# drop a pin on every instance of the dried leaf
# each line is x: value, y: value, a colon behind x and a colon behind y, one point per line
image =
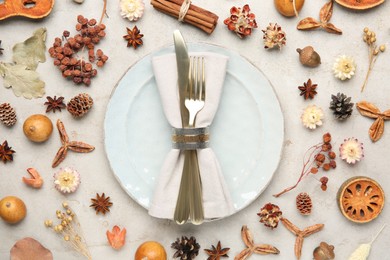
x: 61, y: 130
x: 329, y: 27
x: 29, y: 248
x: 23, y: 81
x: 117, y: 237
x: 31, y: 51
x: 326, y: 12
x: 244, y: 254
x: 298, y: 246
x: 308, y: 24
x: 80, y: 147
x: 376, y: 129
x: 247, y: 236
x: 386, y: 114
x: 368, y: 109
x: 60, y: 156
x: 264, y: 249
x: 290, y: 226
x: 312, y: 229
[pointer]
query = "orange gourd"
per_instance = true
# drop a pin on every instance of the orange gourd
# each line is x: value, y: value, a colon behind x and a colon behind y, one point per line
x: 34, y: 9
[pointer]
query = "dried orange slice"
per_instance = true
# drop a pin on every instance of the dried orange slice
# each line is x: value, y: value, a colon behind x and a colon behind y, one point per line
x: 359, y: 4
x: 360, y: 199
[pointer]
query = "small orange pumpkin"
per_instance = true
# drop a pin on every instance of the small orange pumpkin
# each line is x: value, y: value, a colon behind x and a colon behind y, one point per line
x: 34, y: 9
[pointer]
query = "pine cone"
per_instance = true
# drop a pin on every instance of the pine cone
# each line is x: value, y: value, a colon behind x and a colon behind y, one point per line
x: 304, y: 204
x: 341, y: 106
x: 186, y: 248
x: 80, y: 105
x: 7, y: 114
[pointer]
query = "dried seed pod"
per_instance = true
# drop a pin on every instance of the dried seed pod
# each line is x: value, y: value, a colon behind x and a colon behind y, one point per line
x: 324, y: 252
x: 304, y: 203
x: 309, y: 57
x: 7, y: 114
x: 80, y: 105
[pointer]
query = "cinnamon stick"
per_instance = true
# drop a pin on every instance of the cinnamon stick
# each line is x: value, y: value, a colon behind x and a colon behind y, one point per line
x: 199, y: 17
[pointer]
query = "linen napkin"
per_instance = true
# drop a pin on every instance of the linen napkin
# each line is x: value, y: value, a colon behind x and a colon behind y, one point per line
x: 216, y: 197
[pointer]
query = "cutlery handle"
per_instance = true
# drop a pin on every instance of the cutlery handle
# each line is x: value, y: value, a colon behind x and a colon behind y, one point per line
x: 195, y: 193
x: 182, y: 210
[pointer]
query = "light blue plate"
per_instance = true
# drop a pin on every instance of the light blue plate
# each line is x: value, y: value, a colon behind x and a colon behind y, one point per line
x: 246, y: 135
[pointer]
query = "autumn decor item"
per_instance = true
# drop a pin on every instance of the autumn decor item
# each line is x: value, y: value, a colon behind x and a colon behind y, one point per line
x: 54, y: 103
x: 185, y: 11
x: 252, y: 248
x: 69, y: 230
x: 359, y: 4
x: 319, y: 156
x: 151, y: 250
x: 80, y: 105
x: 360, y: 199
x: 66, y: 180
x: 101, y: 204
x: 324, y: 252
x: 301, y: 234
x: 12, y: 209
x: 312, y: 117
x: 270, y: 215
x: 133, y: 37
x: 241, y: 21
x: 324, y: 183
x: 309, y: 57
x: 132, y: 9
x: 29, y: 248
x: 369, y: 37
x: 289, y: 7
x: 65, y: 51
x: 344, y: 67
x: 39, y: 8
x: 304, y: 203
x: 326, y: 12
x: 351, y: 150
x: 341, y: 106
x: 308, y: 90
x: 37, y: 128
x: 274, y: 36
x: 1, y: 49
x: 216, y: 252
x: 363, y: 250
x: 75, y: 146
x: 6, y: 152
x: 21, y: 75
x: 7, y: 114
x: 368, y: 109
x: 117, y: 237
x: 35, y: 181
x: 186, y: 248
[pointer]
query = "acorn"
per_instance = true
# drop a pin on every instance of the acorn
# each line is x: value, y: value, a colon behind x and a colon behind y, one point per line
x: 309, y: 57
x: 324, y: 252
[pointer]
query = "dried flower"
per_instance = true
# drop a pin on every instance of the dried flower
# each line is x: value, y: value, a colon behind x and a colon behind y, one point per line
x: 312, y: 117
x: 66, y: 180
x: 101, y: 204
x: 215, y: 253
x: 344, y: 67
x: 6, y: 152
x: 351, y: 150
x: 35, y: 181
x: 308, y: 90
x: 241, y: 21
x: 369, y: 37
x: 274, y: 36
x: 132, y: 9
x: 117, y: 237
x: 54, y: 103
x: 186, y: 248
x: 133, y: 37
x: 270, y: 215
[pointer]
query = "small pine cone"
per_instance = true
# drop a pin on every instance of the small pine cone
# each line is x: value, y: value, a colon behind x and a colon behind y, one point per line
x: 7, y: 114
x: 304, y: 204
x: 80, y: 105
x: 341, y: 106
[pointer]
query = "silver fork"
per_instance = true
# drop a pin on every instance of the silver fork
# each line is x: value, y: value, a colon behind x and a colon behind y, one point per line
x: 189, y: 203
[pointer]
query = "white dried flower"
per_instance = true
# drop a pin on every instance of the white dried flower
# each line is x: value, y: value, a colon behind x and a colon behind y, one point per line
x: 66, y: 180
x: 132, y: 9
x: 274, y: 36
x: 351, y: 150
x: 344, y: 67
x: 312, y: 116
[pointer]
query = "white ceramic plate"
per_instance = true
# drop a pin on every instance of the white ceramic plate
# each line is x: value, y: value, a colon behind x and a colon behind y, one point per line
x: 246, y: 135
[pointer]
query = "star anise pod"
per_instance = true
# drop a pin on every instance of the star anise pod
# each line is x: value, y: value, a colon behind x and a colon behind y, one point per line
x: 1, y: 49
x: 308, y: 90
x: 133, y: 37
x: 54, y: 103
x: 101, y: 203
x: 6, y: 152
x: 215, y: 253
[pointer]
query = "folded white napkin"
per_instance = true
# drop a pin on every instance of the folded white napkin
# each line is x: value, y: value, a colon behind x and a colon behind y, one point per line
x: 216, y: 197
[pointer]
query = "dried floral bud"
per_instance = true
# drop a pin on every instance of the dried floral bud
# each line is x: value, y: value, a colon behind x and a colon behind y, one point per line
x: 48, y: 223
x: 326, y: 167
x: 327, y: 138
x: 324, y: 182
x: 241, y: 21
x: 320, y: 157
x: 270, y: 215
x: 344, y: 67
x: 351, y: 150
x: 274, y: 36
x: 332, y: 155
x: 312, y: 117
x: 332, y: 164
x: 382, y: 48
x: 326, y: 147
x: 314, y: 170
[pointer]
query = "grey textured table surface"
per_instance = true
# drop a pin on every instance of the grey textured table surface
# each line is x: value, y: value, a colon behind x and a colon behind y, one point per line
x: 285, y: 73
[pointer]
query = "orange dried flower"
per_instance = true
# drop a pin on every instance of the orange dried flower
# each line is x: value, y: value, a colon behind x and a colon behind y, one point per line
x: 117, y: 237
x: 35, y: 181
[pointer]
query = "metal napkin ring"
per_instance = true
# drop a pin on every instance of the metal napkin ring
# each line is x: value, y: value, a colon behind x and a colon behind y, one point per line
x: 190, y: 138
